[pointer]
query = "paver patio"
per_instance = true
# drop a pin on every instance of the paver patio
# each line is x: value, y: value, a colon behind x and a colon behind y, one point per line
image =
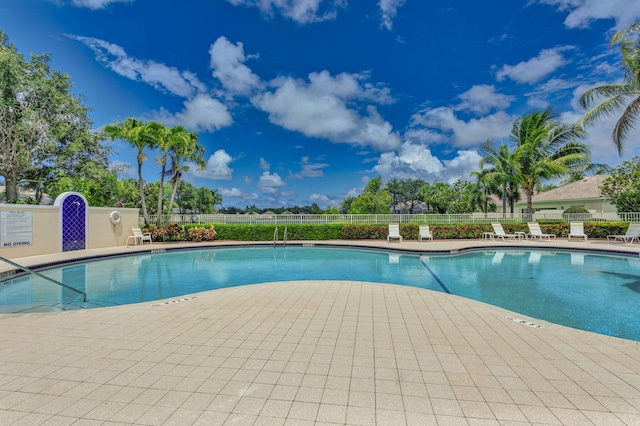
x: 311, y: 352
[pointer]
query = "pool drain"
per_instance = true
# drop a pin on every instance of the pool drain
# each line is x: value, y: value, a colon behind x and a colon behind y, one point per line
x: 173, y: 302
x: 521, y: 321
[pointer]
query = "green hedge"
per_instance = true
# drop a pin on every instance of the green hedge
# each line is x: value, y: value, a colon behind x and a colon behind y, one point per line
x: 409, y: 231
x: 266, y: 232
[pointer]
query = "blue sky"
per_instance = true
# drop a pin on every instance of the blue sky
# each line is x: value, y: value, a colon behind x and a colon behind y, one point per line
x: 303, y: 101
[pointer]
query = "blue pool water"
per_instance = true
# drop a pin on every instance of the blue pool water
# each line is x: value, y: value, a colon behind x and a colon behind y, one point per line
x: 595, y: 292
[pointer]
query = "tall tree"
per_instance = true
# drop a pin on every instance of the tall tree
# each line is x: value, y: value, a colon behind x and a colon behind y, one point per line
x: 501, y: 172
x: 160, y: 136
x: 185, y: 147
x: 438, y: 196
x: 374, y: 199
x: 546, y: 149
x: 394, y: 188
x: 411, y: 192
x: 44, y: 128
x: 623, y: 186
x: 608, y: 99
x: 484, y: 188
x: 129, y: 130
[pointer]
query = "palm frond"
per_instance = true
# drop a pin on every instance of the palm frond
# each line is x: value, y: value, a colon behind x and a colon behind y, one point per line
x: 604, y: 109
x: 626, y: 123
x: 606, y: 91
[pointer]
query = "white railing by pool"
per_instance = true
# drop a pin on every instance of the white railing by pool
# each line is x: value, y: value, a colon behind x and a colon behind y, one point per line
x: 364, y: 219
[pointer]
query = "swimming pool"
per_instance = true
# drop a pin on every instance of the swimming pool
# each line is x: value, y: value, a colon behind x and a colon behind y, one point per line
x: 588, y: 291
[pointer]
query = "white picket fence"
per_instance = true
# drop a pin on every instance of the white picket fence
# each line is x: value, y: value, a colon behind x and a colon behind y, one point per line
x: 364, y: 219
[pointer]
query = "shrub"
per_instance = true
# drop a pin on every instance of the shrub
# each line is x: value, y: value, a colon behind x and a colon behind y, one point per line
x: 576, y: 213
x: 200, y: 233
x: 173, y: 232
x: 336, y: 231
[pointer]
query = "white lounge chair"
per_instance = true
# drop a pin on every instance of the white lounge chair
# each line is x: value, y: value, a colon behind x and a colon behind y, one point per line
x: 139, y: 236
x: 394, y: 232
x: 498, y: 232
x: 576, y: 229
x: 424, y: 233
x: 536, y: 232
x: 633, y: 233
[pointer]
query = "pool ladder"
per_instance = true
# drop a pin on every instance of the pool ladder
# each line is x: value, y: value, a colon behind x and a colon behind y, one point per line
x: 284, y: 237
x: 31, y: 271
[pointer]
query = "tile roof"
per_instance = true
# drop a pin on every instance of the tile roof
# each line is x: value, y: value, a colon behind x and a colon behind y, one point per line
x: 587, y: 188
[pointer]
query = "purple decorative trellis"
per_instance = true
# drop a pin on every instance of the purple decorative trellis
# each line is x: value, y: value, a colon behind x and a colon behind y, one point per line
x: 74, y: 222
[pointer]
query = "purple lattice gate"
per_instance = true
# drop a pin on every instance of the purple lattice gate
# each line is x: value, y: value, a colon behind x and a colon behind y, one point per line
x: 73, y: 220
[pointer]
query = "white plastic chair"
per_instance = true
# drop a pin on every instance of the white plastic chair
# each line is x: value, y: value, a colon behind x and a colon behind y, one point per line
x: 139, y: 236
x: 536, y: 232
x: 498, y: 232
x: 394, y: 232
x: 576, y: 229
x: 633, y: 233
x: 424, y: 233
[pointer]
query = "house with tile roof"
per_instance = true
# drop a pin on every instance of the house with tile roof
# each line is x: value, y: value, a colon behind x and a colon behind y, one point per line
x: 585, y: 193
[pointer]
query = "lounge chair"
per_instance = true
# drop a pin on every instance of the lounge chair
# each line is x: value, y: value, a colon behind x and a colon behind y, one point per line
x: 424, y: 233
x: 394, y: 232
x: 576, y: 229
x: 498, y: 232
x: 633, y: 233
x: 139, y: 236
x: 536, y: 232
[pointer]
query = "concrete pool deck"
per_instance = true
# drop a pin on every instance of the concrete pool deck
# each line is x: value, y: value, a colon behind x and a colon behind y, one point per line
x: 314, y: 352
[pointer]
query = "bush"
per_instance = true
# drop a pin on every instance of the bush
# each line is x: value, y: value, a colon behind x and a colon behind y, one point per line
x: 200, y: 233
x: 173, y: 232
x: 266, y: 232
x: 576, y: 213
x: 336, y: 231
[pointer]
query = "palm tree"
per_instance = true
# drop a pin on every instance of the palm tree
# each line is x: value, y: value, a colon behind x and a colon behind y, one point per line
x: 625, y: 95
x: 159, y: 136
x: 186, y: 147
x: 129, y: 131
x: 395, y: 190
x: 501, y: 175
x: 546, y: 149
x: 484, y: 188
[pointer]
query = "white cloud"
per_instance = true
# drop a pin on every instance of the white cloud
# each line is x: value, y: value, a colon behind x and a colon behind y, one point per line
x: 324, y: 108
x: 236, y: 193
x: 97, y: 4
x: 413, y: 161
x: 535, y: 69
x: 483, y: 98
x: 270, y: 183
x: 200, y: 114
x: 323, y: 201
x: 309, y: 169
x: 217, y: 167
x: 264, y: 164
x: 160, y: 76
x: 227, y: 62
x: 583, y: 12
x: 389, y: 9
x: 300, y: 11
x: 443, y: 125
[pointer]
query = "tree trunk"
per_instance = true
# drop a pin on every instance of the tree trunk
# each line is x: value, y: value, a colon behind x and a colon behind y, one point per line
x: 161, y: 193
x: 145, y: 214
x: 173, y: 193
x: 11, y: 187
